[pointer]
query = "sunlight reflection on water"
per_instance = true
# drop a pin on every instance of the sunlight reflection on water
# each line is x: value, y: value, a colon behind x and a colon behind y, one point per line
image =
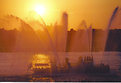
x: 41, y: 61
x: 42, y: 79
x: 41, y: 68
x: 41, y: 65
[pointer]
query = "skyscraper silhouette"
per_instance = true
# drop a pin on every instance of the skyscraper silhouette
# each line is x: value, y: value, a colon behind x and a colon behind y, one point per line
x: 65, y: 20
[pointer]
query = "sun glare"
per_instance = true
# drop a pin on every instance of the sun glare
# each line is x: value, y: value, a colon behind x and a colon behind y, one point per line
x: 40, y: 9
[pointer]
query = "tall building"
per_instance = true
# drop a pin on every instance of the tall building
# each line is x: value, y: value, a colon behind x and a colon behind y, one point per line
x: 65, y: 20
x: 61, y: 33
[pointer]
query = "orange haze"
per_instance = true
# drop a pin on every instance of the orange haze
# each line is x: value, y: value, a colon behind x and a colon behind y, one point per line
x: 95, y: 12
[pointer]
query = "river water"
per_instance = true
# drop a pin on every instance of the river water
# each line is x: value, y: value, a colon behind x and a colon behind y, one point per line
x: 17, y: 64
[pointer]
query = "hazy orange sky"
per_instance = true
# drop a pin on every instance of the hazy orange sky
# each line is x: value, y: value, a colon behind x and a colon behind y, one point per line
x: 95, y: 12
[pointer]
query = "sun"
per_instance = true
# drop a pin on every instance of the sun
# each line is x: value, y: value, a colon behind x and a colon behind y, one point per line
x: 40, y: 9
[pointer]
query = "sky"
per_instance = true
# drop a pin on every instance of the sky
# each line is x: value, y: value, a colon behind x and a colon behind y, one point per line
x: 95, y: 12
